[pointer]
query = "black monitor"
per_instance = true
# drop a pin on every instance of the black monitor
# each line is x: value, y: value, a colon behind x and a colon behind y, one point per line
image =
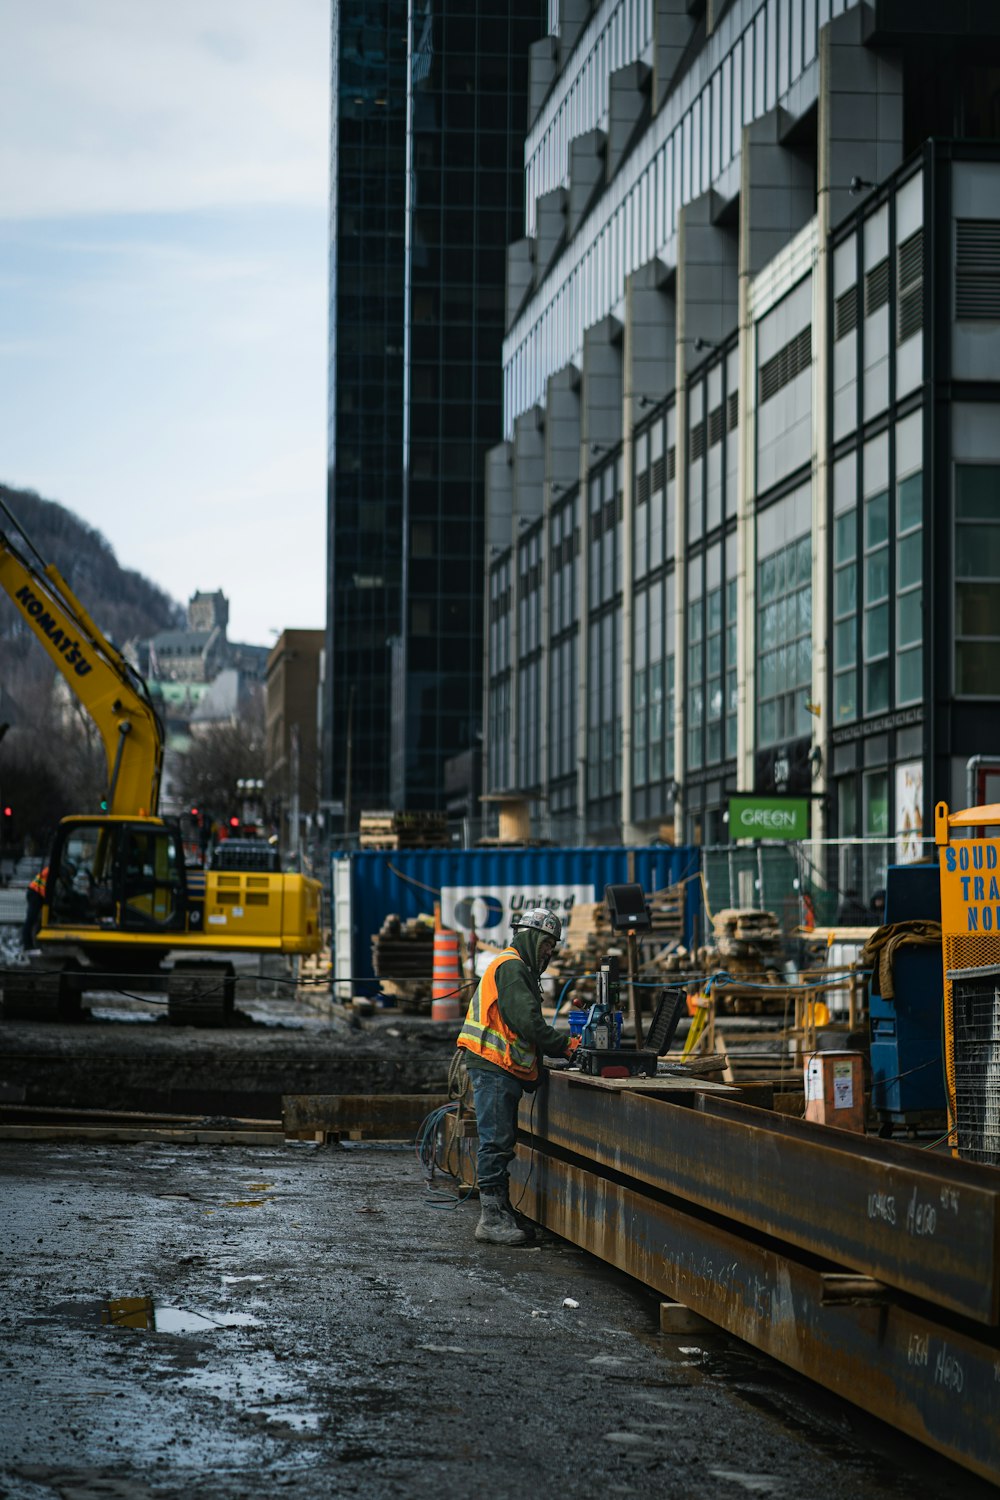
x: 627, y: 908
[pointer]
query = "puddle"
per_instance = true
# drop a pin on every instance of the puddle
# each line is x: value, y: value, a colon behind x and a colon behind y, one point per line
x: 142, y: 1312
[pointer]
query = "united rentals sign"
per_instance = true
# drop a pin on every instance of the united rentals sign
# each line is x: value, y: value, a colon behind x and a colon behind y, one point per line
x: 768, y: 818
x: 490, y: 913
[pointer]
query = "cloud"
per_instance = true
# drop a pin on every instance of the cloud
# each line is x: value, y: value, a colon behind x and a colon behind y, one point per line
x: 111, y: 106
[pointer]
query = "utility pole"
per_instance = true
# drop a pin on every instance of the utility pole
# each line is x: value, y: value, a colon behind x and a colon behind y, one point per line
x: 295, y: 810
x: 347, y: 761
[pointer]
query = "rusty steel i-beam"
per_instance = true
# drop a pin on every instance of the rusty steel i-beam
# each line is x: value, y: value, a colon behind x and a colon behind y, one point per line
x: 871, y: 1268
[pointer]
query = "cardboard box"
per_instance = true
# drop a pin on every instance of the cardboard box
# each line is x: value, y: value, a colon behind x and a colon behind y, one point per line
x: 835, y: 1090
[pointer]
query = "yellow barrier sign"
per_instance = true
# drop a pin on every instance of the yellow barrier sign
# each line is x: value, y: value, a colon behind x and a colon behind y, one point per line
x: 970, y: 886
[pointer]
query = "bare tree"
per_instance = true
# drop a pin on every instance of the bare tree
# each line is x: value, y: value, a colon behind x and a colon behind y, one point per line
x: 51, y: 763
x: 222, y: 755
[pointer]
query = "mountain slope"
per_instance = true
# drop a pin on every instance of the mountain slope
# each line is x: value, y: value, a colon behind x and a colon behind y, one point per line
x: 123, y: 603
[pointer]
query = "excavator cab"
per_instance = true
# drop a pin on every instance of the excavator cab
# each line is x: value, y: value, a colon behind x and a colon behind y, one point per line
x: 116, y: 875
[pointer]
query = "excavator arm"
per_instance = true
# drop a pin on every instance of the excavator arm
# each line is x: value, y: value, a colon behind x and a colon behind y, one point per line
x: 98, y: 675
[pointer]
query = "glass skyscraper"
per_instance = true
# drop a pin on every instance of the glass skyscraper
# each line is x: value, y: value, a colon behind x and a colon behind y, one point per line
x: 365, y: 391
x: 429, y: 117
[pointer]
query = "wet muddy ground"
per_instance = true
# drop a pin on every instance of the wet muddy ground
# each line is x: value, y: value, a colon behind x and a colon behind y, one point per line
x: 126, y: 1056
x: 322, y: 1322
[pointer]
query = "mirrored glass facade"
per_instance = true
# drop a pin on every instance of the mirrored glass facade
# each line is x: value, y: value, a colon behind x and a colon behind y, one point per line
x: 429, y: 112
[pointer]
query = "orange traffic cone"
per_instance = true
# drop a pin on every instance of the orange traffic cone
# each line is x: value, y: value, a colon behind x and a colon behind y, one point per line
x: 447, y: 977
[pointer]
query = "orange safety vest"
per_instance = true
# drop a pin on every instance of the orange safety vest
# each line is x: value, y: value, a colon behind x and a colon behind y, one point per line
x: 38, y: 884
x: 486, y: 1033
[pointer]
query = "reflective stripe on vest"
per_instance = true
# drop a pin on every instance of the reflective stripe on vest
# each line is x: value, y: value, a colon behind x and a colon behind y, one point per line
x: 38, y: 884
x: 486, y: 1033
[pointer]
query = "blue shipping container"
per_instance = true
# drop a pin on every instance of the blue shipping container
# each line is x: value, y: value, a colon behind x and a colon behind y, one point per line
x: 481, y: 889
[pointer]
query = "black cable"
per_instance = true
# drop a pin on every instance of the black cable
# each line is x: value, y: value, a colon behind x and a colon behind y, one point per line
x: 932, y: 1062
x: 531, y: 1152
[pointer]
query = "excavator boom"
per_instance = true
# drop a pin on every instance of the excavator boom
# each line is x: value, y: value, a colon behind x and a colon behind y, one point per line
x: 111, y: 691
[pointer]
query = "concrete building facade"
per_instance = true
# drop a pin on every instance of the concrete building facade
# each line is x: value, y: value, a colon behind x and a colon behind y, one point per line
x: 744, y: 527
x: 294, y: 673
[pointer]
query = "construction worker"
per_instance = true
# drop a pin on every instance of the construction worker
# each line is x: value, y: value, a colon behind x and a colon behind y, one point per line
x: 34, y: 900
x: 502, y: 1035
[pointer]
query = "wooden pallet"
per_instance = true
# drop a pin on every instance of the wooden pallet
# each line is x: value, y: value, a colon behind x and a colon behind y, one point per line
x: 324, y: 1117
x: 403, y: 960
x: 403, y: 830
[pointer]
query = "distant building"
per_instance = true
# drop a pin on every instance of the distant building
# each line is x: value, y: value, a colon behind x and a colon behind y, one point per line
x: 293, y: 707
x: 201, y: 651
x: 186, y: 655
x: 208, y: 611
x: 198, y: 679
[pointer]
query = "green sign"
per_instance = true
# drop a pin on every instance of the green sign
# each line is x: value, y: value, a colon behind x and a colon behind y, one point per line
x: 768, y: 818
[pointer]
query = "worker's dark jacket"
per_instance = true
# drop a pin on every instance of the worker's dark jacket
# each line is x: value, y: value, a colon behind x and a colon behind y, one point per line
x: 504, y: 1026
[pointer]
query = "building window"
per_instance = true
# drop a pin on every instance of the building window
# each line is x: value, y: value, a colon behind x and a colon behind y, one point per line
x: 604, y: 722
x: 977, y: 579
x: 784, y: 641
x: 909, y: 589
x: 876, y: 607
x: 876, y: 287
x: 714, y: 642
x: 910, y: 286
x: 782, y: 368
x: 640, y: 490
x: 659, y: 725
x: 876, y: 804
x: 732, y: 676
x: 845, y: 615
x: 640, y: 678
x: 695, y: 716
x: 562, y: 709
x: 845, y: 313
x: 605, y: 529
x: 977, y: 269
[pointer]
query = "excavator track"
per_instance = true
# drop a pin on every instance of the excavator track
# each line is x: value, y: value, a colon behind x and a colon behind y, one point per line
x: 200, y: 993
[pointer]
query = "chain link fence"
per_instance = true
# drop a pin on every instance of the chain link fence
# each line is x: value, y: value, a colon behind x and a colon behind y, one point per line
x: 816, y: 883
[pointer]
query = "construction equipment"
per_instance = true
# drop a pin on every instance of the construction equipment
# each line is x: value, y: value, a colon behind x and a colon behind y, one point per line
x: 970, y: 940
x: 907, y: 1071
x: 119, y: 906
x: 601, y: 1052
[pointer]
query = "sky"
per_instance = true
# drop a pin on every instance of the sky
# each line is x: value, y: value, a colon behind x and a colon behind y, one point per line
x: 163, y: 300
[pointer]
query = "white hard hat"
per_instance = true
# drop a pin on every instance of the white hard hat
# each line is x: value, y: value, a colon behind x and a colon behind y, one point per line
x: 541, y: 920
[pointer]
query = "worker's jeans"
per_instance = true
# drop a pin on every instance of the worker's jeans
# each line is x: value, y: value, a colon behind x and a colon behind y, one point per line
x: 496, y: 1096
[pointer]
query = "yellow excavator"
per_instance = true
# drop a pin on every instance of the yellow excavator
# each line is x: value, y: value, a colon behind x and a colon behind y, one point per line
x: 119, y: 908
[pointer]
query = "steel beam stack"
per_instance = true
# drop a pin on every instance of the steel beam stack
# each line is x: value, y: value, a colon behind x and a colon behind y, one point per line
x: 872, y: 1268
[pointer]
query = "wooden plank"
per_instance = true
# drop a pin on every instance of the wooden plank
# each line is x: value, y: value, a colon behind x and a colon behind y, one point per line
x: 392, y: 1117
x: 131, y: 1135
x: 674, y: 1083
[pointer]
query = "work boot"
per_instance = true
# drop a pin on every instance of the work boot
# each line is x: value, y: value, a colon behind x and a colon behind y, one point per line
x: 521, y: 1220
x: 497, y: 1225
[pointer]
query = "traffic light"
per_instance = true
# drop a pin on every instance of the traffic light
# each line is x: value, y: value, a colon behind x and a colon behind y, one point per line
x: 234, y: 821
x: 7, y: 831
